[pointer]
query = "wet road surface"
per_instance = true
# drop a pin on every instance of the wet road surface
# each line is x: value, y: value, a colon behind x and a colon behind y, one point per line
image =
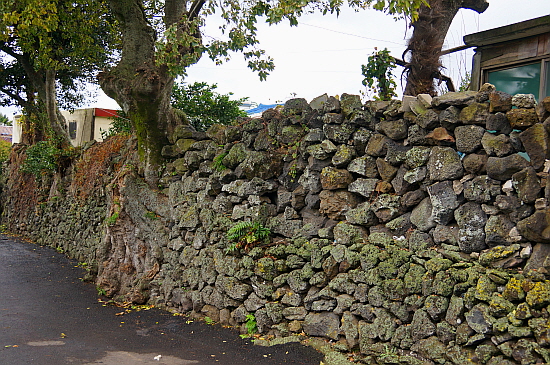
x: 48, y: 316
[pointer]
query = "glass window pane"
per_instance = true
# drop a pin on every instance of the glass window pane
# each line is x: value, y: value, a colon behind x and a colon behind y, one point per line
x: 517, y: 80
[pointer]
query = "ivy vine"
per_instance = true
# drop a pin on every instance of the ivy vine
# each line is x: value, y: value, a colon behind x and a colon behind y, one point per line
x: 378, y: 74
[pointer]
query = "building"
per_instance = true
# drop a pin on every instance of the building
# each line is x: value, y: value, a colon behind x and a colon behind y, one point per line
x: 515, y: 58
x: 83, y: 125
x: 6, y: 132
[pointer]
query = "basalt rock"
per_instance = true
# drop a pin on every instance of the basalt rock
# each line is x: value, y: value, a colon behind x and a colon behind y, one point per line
x: 410, y: 236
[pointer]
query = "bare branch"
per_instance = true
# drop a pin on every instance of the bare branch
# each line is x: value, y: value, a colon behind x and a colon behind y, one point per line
x: 196, y: 8
x: 477, y: 5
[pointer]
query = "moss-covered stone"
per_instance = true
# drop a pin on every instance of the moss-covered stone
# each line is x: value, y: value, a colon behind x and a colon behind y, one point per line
x: 539, y: 295
x: 513, y: 291
x: 485, y: 289
x: 497, y: 253
x: 333, y: 178
x: 348, y: 234
x: 265, y: 268
x: 443, y: 284
x: 475, y: 113
x: 499, y: 306
x: 437, y: 264
x: 414, y: 279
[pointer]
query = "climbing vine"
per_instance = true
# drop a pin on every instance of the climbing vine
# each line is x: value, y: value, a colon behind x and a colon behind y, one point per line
x: 378, y: 74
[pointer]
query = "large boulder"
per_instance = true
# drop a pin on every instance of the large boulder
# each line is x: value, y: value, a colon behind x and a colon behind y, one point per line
x: 536, y: 142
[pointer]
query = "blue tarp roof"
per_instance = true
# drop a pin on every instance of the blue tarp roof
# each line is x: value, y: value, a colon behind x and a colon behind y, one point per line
x: 261, y: 108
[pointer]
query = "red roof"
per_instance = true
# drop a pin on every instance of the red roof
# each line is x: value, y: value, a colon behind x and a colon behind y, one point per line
x: 107, y: 113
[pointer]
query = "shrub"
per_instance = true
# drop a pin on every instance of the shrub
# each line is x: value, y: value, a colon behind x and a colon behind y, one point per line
x: 5, y: 148
x: 203, y: 106
x: 45, y: 157
x: 120, y: 124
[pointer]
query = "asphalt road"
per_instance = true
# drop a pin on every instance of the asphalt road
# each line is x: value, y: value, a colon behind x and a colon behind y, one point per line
x: 48, y: 316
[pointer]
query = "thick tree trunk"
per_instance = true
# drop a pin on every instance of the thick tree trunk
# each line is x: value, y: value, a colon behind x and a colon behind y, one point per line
x: 45, y: 109
x: 427, y: 40
x: 140, y: 86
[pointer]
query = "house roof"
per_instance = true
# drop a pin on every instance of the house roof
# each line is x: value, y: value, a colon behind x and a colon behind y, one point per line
x: 261, y: 108
x: 107, y: 113
x: 510, y: 32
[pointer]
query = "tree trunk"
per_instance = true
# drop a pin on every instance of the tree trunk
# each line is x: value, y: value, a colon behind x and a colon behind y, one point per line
x: 57, y: 120
x: 427, y: 40
x: 140, y: 86
x: 45, y: 109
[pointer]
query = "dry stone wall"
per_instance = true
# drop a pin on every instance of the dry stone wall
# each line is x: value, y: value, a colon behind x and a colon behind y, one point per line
x: 410, y: 232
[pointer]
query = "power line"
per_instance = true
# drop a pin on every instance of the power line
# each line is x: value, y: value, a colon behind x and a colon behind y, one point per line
x: 351, y: 34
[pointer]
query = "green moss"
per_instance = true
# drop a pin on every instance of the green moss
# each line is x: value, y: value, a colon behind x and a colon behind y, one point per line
x: 369, y: 256
x: 513, y: 290
x: 499, y: 306
x: 497, y: 253
x: 485, y: 289
x: 265, y: 268
x: 150, y: 137
x: 414, y: 278
x: 539, y: 295
x: 291, y: 134
x: 437, y: 264
x: 443, y: 284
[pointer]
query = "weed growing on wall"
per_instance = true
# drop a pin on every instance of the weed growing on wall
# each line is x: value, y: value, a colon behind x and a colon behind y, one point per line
x: 111, y: 221
x: 245, y: 235
x: 217, y: 163
x: 251, y: 326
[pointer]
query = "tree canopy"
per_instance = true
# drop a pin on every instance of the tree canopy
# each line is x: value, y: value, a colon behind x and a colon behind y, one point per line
x: 51, y: 48
x: 4, y: 120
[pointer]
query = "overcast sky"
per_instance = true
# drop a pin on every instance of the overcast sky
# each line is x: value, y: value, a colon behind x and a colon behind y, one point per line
x: 324, y: 54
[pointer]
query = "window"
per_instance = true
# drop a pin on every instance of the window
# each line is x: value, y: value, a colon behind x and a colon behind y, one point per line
x: 532, y: 78
x: 72, y: 130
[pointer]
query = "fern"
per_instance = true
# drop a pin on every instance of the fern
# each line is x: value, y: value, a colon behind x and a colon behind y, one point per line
x: 217, y: 163
x: 246, y: 235
x: 238, y: 230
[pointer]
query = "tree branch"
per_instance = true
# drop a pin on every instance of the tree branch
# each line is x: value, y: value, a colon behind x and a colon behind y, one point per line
x: 196, y: 9
x: 22, y: 102
x: 477, y: 5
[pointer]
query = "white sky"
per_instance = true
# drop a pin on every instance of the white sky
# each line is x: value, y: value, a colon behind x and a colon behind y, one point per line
x: 324, y: 54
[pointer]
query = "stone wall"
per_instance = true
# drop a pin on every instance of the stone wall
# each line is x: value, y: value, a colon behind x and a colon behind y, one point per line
x: 411, y: 232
